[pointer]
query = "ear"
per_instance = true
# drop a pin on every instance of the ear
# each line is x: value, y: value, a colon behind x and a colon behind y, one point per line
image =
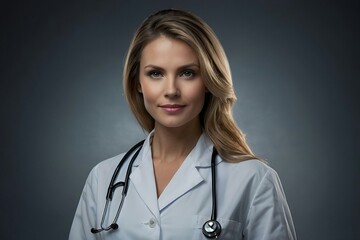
x: 139, y: 89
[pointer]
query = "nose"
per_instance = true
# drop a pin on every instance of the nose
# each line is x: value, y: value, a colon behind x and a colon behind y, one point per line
x: 172, y: 90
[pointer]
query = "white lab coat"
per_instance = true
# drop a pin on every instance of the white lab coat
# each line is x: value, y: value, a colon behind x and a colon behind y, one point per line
x: 250, y: 200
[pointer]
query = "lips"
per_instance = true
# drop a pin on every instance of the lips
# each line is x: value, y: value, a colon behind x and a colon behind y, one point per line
x: 172, y: 108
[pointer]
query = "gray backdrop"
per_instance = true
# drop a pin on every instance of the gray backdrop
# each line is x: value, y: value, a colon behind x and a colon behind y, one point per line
x: 295, y: 69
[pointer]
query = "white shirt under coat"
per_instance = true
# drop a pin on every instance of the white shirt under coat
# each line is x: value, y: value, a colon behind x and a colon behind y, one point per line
x: 251, y: 203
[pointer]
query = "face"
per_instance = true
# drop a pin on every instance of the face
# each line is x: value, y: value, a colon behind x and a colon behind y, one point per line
x: 171, y: 84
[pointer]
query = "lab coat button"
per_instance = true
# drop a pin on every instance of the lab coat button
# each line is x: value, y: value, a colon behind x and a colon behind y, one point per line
x: 152, y: 223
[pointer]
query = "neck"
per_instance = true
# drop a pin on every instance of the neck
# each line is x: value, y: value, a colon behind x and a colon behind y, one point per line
x: 174, y: 144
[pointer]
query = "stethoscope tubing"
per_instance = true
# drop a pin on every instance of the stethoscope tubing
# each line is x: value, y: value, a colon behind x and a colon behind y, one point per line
x: 213, y: 185
x: 112, y: 187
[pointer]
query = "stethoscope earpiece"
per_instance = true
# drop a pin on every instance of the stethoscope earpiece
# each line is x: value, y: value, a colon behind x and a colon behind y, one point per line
x: 211, y: 229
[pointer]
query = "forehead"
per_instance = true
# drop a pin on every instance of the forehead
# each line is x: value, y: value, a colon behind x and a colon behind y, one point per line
x: 167, y: 51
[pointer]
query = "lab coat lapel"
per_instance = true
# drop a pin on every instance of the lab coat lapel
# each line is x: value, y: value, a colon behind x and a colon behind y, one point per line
x: 144, y: 182
x: 188, y: 176
x: 185, y: 179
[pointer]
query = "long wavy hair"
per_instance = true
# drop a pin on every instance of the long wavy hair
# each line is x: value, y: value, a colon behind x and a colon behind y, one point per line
x: 216, y: 116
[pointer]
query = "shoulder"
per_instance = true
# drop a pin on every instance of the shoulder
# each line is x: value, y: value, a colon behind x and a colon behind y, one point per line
x: 105, y: 167
x: 250, y: 172
x: 249, y: 168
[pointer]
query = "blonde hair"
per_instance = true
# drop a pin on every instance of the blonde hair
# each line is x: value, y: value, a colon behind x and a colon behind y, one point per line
x: 216, y: 117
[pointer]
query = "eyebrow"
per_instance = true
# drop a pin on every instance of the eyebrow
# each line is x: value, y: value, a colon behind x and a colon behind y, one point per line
x: 181, y: 67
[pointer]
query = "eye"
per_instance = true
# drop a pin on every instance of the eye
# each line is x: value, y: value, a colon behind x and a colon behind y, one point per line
x: 155, y: 74
x: 188, y: 74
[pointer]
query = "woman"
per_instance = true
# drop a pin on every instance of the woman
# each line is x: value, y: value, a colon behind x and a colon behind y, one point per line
x: 194, y: 177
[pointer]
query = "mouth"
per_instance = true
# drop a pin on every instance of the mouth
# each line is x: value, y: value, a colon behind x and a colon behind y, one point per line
x: 172, y: 108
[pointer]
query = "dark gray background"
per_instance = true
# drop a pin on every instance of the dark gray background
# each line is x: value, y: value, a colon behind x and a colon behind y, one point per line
x: 295, y: 69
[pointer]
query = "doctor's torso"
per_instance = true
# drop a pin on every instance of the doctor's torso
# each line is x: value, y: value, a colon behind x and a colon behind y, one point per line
x: 185, y: 204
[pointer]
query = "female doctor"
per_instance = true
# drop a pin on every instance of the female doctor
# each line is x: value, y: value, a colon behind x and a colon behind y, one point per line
x: 194, y: 176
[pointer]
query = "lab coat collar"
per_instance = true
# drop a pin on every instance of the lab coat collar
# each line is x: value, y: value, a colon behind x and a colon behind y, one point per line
x: 186, y: 178
x: 202, y: 155
x: 203, y: 152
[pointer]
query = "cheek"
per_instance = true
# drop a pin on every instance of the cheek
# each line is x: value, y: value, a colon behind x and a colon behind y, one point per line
x: 196, y: 94
x: 196, y: 89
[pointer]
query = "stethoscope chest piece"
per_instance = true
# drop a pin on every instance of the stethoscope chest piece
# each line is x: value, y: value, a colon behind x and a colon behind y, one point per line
x: 211, y: 229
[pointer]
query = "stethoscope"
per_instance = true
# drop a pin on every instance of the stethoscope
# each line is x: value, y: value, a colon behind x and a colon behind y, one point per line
x: 210, y: 229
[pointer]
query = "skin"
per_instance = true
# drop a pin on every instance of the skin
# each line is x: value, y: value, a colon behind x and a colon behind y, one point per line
x: 174, y: 95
